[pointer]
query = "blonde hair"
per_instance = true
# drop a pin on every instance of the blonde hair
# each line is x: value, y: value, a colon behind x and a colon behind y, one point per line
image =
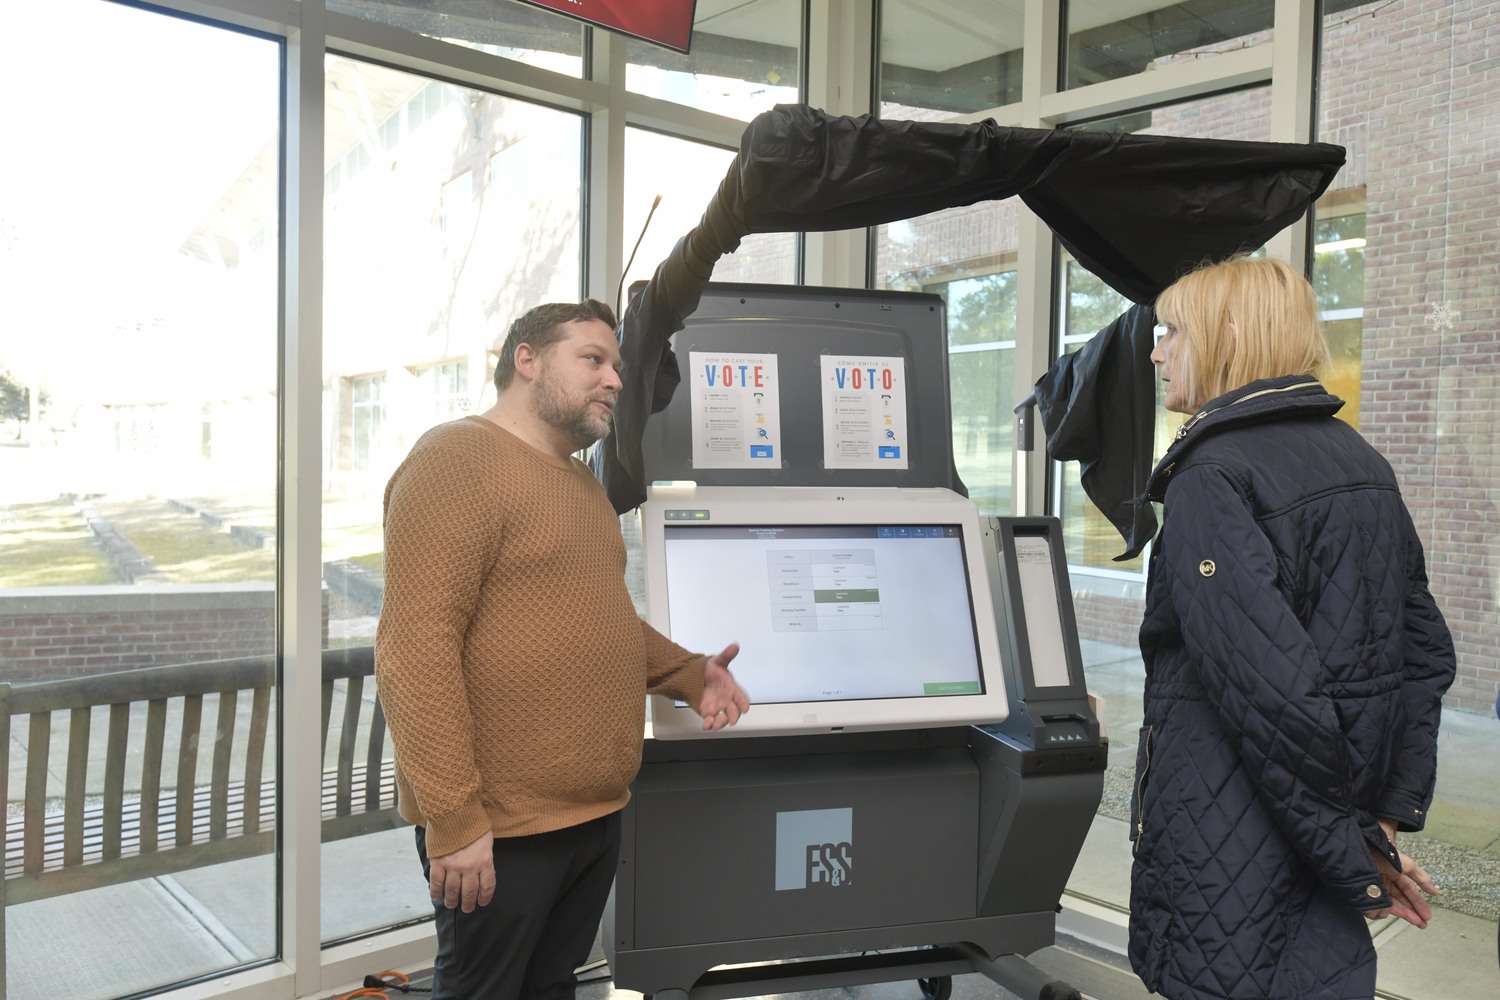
x: 1241, y: 320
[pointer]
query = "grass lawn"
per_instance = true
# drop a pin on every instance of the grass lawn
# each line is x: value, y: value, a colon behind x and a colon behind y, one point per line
x: 351, y: 530
x: 351, y: 527
x: 49, y: 545
x: 257, y: 510
x: 374, y: 561
x: 184, y: 548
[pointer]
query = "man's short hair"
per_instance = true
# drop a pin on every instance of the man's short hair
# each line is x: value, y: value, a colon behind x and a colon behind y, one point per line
x: 541, y: 327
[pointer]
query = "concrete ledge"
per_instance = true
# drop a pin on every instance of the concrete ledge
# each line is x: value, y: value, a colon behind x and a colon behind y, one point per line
x: 106, y: 598
x: 128, y: 561
x: 361, y: 585
x: 252, y: 537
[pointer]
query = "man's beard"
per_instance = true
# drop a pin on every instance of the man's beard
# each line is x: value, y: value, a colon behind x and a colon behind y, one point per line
x: 578, y: 422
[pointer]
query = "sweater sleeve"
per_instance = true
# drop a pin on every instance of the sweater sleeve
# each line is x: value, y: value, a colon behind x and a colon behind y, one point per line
x: 440, y: 527
x: 1261, y: 669
x: 1428, y: 668
x: 672, y: 670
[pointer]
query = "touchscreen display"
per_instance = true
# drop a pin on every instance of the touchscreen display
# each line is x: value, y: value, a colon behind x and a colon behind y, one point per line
x: 828, y: 613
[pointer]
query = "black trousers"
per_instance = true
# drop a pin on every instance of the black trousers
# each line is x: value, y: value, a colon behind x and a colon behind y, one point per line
x: 550, y: 891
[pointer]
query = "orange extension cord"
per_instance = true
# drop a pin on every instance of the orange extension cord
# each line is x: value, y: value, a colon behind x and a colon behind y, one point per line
x: 382, y: 985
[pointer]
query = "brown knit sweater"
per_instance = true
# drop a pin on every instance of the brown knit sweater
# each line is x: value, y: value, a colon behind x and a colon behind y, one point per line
x: 510, y: 661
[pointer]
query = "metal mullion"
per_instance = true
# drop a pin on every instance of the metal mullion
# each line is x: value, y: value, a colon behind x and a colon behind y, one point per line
x: 299, y: 570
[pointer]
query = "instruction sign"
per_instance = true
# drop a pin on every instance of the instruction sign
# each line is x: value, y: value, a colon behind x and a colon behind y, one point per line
x: 736, y: 410
x: 864, y: 412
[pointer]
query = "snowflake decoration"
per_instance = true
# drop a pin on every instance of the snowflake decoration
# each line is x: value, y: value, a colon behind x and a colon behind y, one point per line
x: 1441, y: 316
x: 7, y: 517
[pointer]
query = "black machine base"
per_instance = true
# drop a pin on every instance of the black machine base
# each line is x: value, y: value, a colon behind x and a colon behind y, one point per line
x: 757, y: 866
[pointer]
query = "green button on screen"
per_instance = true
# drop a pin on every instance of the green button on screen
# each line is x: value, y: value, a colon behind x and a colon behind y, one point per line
x: 952, y: 687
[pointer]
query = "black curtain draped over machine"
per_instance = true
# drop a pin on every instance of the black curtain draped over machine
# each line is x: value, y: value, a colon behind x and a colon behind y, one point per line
x: 1136, y: 210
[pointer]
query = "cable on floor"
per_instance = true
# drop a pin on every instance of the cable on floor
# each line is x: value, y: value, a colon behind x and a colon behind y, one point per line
x: 384, y: 985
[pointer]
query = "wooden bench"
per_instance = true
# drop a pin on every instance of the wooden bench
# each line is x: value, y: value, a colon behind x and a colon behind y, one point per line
x: 163, y: 824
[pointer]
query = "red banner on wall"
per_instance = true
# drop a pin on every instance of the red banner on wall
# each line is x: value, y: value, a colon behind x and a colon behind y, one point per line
x: 665, y: 22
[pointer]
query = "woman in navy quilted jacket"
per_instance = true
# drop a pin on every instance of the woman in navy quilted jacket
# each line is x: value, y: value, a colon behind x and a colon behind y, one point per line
x: 1295, y: 665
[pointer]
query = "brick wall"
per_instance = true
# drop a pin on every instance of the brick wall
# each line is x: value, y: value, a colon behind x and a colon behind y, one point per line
x: 83, y: 631
x: 1411, y: 92
x: 1104, y: 618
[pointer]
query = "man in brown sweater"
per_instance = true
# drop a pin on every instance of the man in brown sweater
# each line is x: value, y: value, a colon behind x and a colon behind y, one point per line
x: 513, y: 667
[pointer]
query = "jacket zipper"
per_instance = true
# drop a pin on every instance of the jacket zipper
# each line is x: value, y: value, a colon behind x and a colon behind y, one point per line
x: 1182, y: 431
x: 1140, y: 795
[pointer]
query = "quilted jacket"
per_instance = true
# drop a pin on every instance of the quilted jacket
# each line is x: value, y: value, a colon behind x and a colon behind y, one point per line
x: 1295, y: 665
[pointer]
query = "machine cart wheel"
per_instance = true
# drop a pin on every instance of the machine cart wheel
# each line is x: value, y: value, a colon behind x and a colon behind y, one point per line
x: 936, y: 987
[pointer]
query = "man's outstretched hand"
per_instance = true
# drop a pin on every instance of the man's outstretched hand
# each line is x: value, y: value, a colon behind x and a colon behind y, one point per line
x: 724, y: 701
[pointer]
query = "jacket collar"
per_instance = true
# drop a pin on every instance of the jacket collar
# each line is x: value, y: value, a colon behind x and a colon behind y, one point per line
x: 1261, y: 401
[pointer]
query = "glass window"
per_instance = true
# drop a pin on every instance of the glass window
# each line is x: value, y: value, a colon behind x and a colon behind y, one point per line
x: 1088, y: 305
x: 745, y: 58
x: 1406, y: 272
x: 1106, y: 42
x: 429, y: 255
x: 943, y: 59
x: 1339, y: 278
x: 1339, y: 261
x: 1090, y: 539
x: 1406, y: 283
x: 1108, y: 595
x: 516, y: 31
x: 1243, y: 115
x: 687, y: 175
x: 446, y: 389
x: 459, y: 206
x: 981, y: 314
x: 968, y: 256
x: 390, y: 130
x: 368, y: 421
x: 138, y: 528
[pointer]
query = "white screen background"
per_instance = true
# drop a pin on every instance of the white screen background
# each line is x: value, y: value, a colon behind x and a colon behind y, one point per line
x: 723, y: 589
